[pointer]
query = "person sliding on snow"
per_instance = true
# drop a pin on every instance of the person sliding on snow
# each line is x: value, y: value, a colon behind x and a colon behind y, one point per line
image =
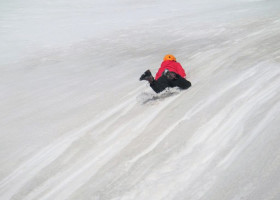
x: 170, y: 74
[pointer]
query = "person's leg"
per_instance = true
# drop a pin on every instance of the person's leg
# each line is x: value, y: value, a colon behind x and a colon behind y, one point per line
x: 181, y: 83
x: 160, y: 84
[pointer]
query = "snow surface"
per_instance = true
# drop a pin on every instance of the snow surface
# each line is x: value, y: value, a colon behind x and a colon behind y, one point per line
x: 76, y: 124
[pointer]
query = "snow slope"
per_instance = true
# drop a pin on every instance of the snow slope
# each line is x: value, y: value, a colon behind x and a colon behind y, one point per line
x: 75, y: 122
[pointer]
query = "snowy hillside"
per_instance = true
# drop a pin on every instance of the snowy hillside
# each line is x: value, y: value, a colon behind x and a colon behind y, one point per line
x: 77, y: 124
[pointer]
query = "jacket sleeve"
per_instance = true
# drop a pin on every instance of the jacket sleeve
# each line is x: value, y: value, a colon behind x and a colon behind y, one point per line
x: 181, y: 70
x: 159, y: 73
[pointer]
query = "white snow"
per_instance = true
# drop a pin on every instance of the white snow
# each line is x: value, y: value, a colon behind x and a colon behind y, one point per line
x: 76, y: 122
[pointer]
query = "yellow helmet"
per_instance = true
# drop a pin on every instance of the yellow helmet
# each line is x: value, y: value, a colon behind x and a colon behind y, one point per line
x: 169, y: 57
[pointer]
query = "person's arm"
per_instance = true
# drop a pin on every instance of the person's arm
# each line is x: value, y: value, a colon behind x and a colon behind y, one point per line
x: 159, y: 73
x: 181, y: 70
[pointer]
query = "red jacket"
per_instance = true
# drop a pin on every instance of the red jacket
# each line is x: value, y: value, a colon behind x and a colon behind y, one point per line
x: 172, y: 66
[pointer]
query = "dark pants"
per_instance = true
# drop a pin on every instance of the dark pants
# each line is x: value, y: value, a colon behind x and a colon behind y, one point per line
x: 163, y: 82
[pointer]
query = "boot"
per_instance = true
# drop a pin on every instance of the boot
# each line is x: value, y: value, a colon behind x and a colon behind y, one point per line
x: 147, y: 76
